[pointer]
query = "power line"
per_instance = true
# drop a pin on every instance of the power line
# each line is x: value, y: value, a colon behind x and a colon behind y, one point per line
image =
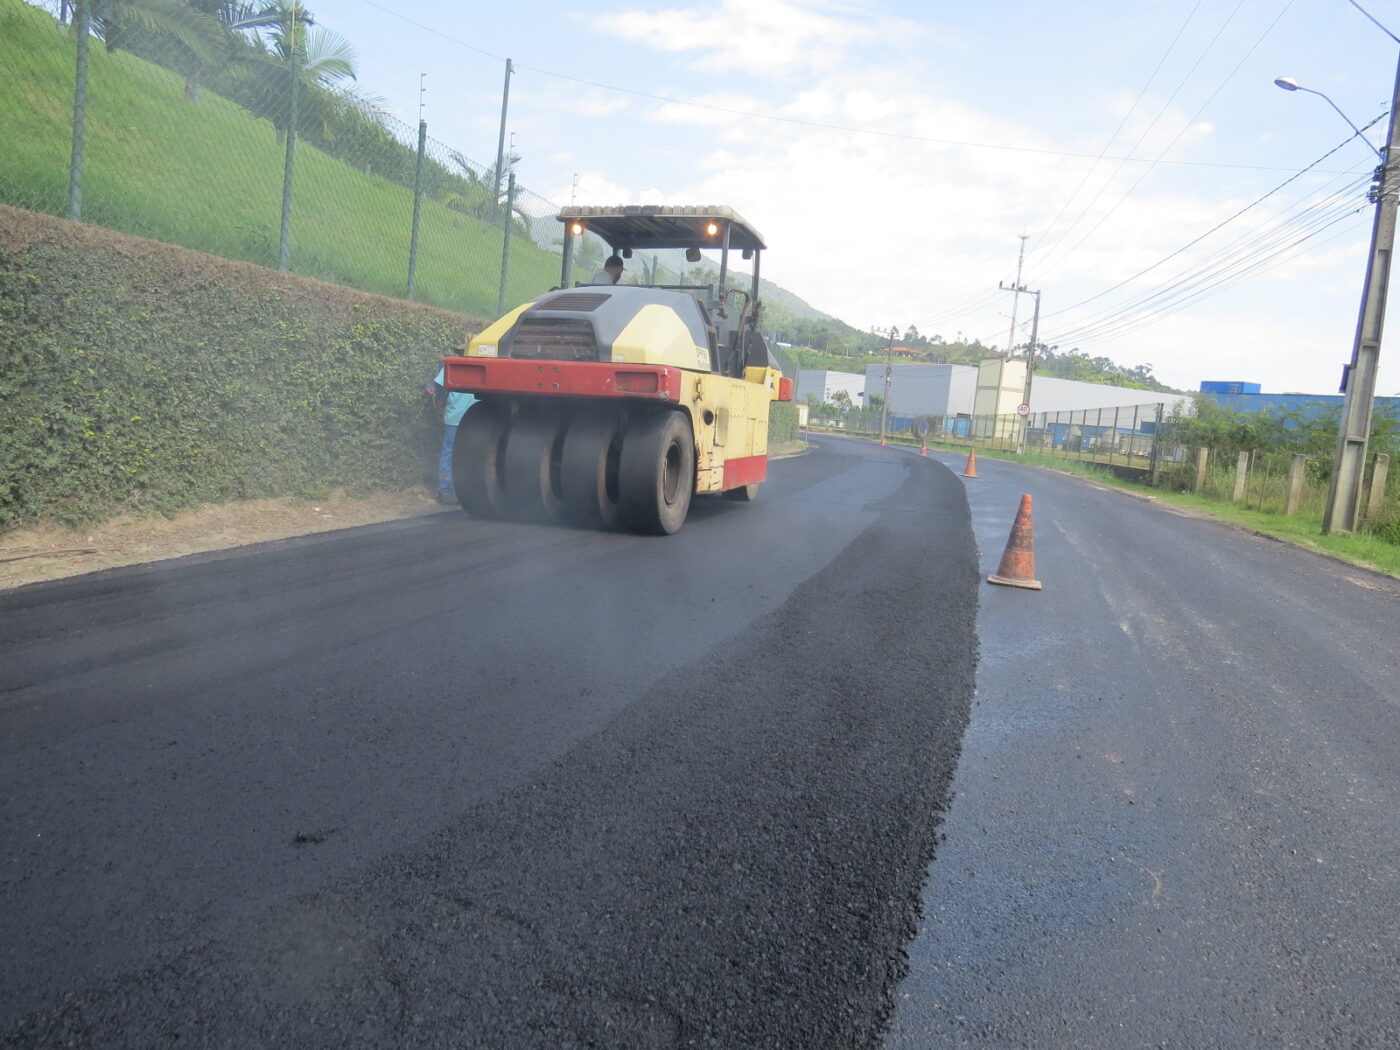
x: 1193, y: 286
x: 1345, y: 201
x: 1143, y: 137
x: 1160, y: 157
x: 1112, y: 138
x: 1224, y: 222
x: 1261, y: 266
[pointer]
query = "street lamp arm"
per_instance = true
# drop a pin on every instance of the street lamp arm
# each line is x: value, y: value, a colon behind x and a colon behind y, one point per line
x: 1289, y: 84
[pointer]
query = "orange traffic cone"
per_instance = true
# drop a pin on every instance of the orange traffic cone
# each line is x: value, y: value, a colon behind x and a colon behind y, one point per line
x: 970, y: 471
x: 1017, y: 567
x: 923, y: 445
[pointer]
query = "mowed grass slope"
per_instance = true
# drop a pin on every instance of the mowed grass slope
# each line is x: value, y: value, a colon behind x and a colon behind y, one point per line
x: 206, y: 174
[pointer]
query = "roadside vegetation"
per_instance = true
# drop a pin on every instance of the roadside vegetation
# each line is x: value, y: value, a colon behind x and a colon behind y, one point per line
x: 1376, y: 547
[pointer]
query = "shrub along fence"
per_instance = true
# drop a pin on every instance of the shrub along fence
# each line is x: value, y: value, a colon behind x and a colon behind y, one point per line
x: 140, y: 376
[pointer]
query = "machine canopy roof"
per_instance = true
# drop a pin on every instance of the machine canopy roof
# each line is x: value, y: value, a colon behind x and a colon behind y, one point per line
x: 658, y: 226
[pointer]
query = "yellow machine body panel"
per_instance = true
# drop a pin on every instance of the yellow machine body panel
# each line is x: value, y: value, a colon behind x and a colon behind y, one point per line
x: 657, y: 336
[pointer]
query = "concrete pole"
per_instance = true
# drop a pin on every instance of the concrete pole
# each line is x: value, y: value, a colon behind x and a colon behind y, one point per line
x: 1359, y: 379
x: 1378, y: 479
x: 1241, y: 477
x: 1202, y: 462
x: 293, y: 15
x: 1295, y: 483
x: 885, y: 404
x: 1030, y: 371
x: 501, y: 140
x: 417, y: 206
x: 505, y: 245
x: 80, y: 80
x: 1016, y: 291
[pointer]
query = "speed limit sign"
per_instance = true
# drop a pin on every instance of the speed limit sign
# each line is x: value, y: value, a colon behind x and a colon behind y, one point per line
x: 1023, y: 410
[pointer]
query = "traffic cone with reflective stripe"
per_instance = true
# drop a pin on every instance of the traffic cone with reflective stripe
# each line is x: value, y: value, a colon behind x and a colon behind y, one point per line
x: 1017, y: 567
x: 923, y: 445
x: 970, y: 471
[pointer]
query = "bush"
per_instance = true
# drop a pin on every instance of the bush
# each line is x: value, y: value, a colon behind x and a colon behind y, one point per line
x: 141, y: 376
x: 782, y: 423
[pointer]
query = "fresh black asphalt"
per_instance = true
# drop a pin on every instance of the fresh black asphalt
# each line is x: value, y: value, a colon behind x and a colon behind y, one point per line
x: 1177, y: 812
x: 451, y: 783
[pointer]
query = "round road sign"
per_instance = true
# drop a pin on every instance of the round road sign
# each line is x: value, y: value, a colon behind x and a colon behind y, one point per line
x: 1023, y: 410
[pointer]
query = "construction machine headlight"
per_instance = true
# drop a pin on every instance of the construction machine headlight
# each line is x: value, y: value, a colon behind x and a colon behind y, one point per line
x: 485, y: 349
x: 576, y: 229
x: 712, y: 229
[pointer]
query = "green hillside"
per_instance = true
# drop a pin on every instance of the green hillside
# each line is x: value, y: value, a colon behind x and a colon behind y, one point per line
x: 207, y: 174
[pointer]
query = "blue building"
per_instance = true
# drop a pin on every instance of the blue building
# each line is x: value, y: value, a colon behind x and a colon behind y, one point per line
x: 1246, y: 399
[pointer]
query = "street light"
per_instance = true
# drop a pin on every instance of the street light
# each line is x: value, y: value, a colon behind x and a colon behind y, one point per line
x: 1291, y: 84
x: 1359, y: 376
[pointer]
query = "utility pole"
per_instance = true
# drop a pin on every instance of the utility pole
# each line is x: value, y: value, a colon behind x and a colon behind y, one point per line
x: 1359, y: 377
x: 1030, y: 369
x: 1017, y: 289
x: 885, y: 403
x: 501, y: 139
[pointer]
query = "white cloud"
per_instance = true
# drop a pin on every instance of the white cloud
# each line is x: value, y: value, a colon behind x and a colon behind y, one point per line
x: 764, y: 37
x: 895, y: 228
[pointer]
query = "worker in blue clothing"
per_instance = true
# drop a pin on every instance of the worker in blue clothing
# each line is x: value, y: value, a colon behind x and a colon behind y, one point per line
x: 453, y: 406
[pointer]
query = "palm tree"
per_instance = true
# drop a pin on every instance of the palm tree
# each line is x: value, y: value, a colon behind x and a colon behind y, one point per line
x: 124, y: 24
x: 291, y: 52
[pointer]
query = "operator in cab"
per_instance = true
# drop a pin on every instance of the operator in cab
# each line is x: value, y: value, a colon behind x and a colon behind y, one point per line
x: 611, y: 272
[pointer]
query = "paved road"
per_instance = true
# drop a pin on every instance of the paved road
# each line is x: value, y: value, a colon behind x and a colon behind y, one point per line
x: 1177, y: 813
x: 447, y: 783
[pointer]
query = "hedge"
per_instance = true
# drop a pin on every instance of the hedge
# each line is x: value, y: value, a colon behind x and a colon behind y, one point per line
x: 137, y: 376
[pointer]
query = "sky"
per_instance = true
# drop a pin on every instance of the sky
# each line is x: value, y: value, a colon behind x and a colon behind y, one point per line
x: 895, y: 153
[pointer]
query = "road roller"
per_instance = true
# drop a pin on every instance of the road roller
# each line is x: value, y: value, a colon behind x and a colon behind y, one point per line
x: 612, y: 405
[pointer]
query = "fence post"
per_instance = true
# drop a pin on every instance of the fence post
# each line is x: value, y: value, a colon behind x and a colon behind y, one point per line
x: 1295, y: 483
x: 80, y: 81
x: 417, y: 205
x: 1202, y: 463
x: 284, y: 236
x: 1241, y: 477
x: 505, y: 244
x: 1378, y: 479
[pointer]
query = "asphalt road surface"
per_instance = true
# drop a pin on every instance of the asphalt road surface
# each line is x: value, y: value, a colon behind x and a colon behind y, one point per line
x: 1177, y: 811
x: 447, y: 783
x: 453, y: 783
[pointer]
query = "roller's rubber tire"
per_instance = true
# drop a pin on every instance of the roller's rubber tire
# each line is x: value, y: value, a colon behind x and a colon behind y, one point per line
x: 588, y: 462
x: 476, y: 459
x: 743, y: 494
x: 656, y: 472
x: 530, y: 465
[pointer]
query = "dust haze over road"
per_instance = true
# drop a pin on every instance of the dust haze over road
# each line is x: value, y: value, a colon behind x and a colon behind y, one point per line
x: 446, y: 781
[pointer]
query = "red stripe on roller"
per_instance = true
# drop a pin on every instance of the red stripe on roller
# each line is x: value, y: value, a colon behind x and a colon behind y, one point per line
x: 748, y: 470
x: 496, y: 375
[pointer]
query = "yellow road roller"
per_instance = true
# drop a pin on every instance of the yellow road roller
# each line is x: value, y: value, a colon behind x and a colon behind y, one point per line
x: 611, y: 405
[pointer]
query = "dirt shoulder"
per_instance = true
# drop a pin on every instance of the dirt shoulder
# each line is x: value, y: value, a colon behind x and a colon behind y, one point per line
x: 51, y: 553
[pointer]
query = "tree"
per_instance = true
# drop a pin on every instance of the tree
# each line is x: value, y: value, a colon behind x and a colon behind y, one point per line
x: 125, y: 25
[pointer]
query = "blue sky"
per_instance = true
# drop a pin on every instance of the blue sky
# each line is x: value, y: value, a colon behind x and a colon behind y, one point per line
x: 951, y: 129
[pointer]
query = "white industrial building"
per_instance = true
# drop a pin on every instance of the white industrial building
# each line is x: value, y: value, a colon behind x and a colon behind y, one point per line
x: 913, y: 387
x: 995, y: 388
x: 824, y: 384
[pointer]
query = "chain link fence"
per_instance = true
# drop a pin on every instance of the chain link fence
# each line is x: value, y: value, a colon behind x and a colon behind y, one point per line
x: 1123, y: 437
x: 1132, y: 442
x: 245, y: 143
